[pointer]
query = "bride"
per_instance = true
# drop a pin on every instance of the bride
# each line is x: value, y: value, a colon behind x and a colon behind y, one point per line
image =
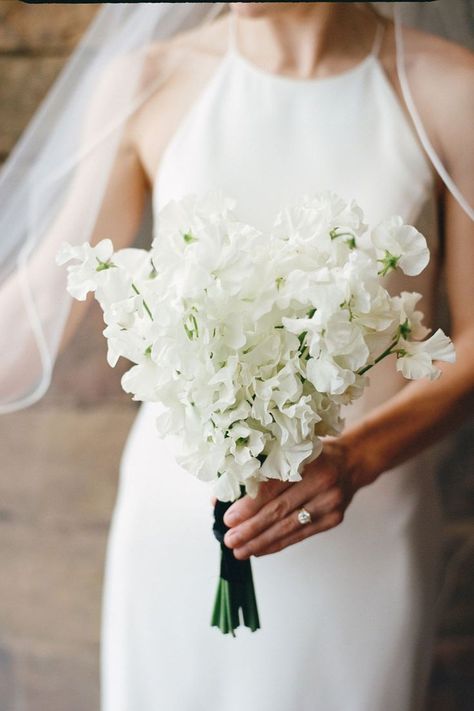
x: 266, y: 102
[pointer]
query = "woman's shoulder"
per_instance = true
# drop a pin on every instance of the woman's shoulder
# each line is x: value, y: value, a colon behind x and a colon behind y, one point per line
x: 443, y: 72
x: 172, y: 75
x: 428, y: 57
x: 208, y: 42
x: 440, y: 76
x: 438, y: 62
x: 441, y: 79
x: 162, y: 60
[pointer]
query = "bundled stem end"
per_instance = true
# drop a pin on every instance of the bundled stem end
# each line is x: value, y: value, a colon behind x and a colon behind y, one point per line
x: 235, y: 601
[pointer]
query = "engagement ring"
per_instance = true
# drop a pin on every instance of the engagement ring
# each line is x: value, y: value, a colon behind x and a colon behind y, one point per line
x: 304, y: 516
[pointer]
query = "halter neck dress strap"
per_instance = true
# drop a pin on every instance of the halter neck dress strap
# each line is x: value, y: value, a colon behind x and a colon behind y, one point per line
x: 378, y: 39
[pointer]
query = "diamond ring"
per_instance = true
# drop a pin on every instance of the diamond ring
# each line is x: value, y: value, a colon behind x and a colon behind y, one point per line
x: 304, y: 516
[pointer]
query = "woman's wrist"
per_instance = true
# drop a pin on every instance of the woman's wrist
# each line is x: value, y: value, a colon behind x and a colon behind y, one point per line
x: 362, y: 461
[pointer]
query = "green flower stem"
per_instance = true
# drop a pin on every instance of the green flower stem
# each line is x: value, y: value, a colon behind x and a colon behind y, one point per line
x: 231, y: 598
x: 145, y: 305
x: 383, y: 355
x: 334, y: 233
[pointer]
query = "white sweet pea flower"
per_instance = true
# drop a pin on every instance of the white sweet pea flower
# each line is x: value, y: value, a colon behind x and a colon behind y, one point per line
x: 286, y: 463
x: 246, y: 443
x: 233, y: 475
x: 415, y: 359
x: 224, y: 420
x: 375, y: 311
x: 179, y: 217
x: 329, y: 298
x: 203, y: 459
x: 128, y: 343
x: 93, y: 261
x: 261, y: 412
x: 223, y: 383
x: 171, y: 422
x: 323, y: 221
x: 123, y: 312
x: 327, y: 376
x: 294, y: 422
x: 410, y: 318
x: 140, y: 380
x: 400, y: 245
x: 252, y: 485
x: 329, y: 409
x: 227, y: 486
x: 344, y: 340
x: 289, y: 388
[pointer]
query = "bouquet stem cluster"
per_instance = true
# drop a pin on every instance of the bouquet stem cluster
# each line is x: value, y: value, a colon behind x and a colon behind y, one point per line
x: 235, y: 590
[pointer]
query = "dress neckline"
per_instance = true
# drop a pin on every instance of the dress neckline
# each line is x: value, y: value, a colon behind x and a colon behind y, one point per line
x: 234, y: 54
x: 299, y: 82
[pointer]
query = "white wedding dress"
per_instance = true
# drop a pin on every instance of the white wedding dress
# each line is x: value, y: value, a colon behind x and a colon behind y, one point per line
x: 347, y: 615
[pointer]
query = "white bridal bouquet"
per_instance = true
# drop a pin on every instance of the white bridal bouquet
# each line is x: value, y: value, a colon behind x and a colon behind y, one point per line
x: 253, y: 341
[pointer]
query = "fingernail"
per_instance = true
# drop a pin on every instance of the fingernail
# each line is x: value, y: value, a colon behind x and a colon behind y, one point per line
x: 231, y: 537
x: 241, y: 553
x: 231, y: 518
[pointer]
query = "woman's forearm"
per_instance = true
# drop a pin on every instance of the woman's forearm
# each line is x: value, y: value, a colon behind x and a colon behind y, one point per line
x: 419, y: 415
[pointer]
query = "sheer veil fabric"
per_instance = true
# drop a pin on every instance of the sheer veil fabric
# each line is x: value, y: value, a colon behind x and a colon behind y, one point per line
x: 51, y: 189
x: 52, y: 174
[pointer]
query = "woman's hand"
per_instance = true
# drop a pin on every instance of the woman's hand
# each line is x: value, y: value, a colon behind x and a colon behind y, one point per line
x: 269, y: 522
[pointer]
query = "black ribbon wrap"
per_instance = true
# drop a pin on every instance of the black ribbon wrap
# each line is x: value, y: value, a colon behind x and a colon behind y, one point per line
x: 233, y: 570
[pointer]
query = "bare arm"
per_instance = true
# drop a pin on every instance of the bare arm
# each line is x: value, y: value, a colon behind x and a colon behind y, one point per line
x: 423, y: 412
x: 119, y: 216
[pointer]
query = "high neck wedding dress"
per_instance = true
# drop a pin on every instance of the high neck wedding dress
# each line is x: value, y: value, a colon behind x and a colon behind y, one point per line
x: 347, y: 615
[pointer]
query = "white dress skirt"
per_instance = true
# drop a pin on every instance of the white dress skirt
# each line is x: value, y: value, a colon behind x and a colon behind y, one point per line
x: 347, y: 615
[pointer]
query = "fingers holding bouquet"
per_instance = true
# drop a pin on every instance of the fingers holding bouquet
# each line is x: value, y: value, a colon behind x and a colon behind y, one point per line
x: 285, y: 513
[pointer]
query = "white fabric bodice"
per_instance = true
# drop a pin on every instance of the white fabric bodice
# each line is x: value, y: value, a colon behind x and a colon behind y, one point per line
x: 265, y: 139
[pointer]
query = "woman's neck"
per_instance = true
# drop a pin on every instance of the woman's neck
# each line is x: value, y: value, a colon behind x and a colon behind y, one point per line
x: 306, y: 39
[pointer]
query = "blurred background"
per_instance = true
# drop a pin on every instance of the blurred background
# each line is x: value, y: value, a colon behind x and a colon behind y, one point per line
x: 59, y: 467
